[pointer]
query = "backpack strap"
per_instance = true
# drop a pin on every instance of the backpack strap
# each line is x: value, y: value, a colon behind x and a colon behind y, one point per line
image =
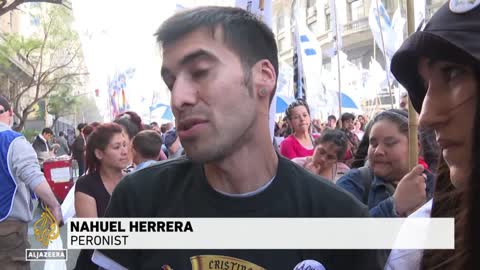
x: 367, y: 178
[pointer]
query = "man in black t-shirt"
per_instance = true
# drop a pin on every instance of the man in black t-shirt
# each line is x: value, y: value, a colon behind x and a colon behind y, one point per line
x: 221, y: 67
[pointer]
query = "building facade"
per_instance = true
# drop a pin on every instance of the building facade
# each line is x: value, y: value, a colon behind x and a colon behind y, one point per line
x: 353, y: 26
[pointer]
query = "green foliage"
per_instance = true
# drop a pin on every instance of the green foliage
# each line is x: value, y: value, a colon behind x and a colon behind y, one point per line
x: 53, y: 56
x: 62, y: 102
x: 30, y: 134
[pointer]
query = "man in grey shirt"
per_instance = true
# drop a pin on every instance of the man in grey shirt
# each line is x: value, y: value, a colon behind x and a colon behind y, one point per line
x: 62, y: 142
x: 20, y: 176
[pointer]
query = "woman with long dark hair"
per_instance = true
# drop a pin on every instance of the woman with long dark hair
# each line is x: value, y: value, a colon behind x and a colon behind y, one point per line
x: 106, y: 156
x: 440, y: 68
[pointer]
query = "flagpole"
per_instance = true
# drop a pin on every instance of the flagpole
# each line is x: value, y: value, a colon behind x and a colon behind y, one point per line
x: 385, y: 55
x: 338, y: 63
x: 412, y: 115
x: 301, y: 82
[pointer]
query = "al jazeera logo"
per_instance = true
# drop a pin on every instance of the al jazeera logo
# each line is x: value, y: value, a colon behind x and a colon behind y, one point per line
x: 46, y: 230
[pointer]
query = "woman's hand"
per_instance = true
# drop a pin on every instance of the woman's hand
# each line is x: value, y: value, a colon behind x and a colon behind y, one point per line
x: 410, y: 192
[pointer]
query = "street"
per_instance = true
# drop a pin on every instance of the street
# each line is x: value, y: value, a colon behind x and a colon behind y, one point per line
x: 72, y: 254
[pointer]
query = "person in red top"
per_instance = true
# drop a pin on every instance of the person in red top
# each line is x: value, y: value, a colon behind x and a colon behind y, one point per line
x: 300, y: 143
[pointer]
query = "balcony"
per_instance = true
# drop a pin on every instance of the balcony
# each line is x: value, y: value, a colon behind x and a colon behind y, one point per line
x: 19, y: 70
x: 356, y: 26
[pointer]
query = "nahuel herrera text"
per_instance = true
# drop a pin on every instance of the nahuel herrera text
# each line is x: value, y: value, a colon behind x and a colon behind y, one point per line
x: 134, y: 226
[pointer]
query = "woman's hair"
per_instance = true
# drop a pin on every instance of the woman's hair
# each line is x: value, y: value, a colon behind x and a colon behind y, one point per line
x: 87, y: 130
x: 296, y: 103
x: 430, y: 149
x: 398, y: 117
x: 462, y: 203
x: 336, y: 137
x: 99, y: 139
x: 362, y: 150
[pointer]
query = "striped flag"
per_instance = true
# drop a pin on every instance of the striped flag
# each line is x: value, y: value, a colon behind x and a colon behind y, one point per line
x: 308, y: 67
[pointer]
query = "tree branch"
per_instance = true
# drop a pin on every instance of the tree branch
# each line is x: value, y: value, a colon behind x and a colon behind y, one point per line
x: 4, y: 9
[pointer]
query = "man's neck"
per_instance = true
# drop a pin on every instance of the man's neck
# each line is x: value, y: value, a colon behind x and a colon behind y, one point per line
x: 247, y: 169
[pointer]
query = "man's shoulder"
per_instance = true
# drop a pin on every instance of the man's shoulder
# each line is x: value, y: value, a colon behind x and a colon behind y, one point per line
x: 162, y: 174
x: 333, y: 200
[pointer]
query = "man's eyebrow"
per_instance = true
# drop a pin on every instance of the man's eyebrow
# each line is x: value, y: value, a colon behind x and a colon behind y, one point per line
x: 187, y: 59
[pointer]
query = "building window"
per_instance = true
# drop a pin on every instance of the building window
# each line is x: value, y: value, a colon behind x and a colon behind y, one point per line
x: 357, y: 9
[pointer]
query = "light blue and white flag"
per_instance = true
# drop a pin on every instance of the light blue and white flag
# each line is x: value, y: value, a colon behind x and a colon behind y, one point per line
x: 386, y: 30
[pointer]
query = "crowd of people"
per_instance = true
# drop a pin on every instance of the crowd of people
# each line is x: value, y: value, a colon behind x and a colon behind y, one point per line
x: 218, y: 159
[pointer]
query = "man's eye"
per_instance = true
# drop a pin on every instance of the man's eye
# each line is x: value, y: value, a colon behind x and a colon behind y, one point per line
x: 198, y: 74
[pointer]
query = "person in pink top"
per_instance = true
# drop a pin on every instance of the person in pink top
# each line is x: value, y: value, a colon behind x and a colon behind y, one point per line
x: 300, y: 143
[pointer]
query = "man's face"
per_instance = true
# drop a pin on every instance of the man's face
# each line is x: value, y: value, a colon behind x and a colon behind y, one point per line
x: 332, y: 123
x: 214, y: 109
x: 47, y: 136
x: 348, y: 124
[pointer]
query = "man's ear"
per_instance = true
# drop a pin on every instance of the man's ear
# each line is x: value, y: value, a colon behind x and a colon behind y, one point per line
x: 264, y: 78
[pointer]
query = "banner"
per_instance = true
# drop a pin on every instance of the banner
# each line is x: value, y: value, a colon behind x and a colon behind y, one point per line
x: 269, y: 233
x: 117, y: 88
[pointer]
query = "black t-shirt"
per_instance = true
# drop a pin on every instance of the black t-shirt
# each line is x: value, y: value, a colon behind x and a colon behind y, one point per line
x: 178, y: 188
x: 92, y: 185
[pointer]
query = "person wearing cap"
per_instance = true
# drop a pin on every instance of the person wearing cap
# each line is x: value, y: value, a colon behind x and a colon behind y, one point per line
x: 20, y: 176
x: 221, y: 87
x: 439, y: 65
x: 172, y: 142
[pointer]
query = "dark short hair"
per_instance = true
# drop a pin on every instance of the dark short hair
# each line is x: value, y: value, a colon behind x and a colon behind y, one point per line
x: 348, y: 116
x: 99, y: 139
x: 81, y: 126
x: 251, y: 39
x: 148, y: 144
x: 47, y: 131
x: 336, y: 137
x: 61, y: 133
x: 330, y: 117
x: 5, y: 102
